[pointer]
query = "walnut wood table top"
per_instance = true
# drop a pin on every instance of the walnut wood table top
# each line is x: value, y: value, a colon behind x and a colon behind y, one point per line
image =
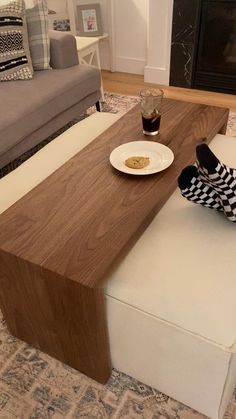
x: 69, y: 232
x: 86, y: 213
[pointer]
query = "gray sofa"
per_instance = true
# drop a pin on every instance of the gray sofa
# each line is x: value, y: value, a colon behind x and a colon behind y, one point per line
x: 32, y: 110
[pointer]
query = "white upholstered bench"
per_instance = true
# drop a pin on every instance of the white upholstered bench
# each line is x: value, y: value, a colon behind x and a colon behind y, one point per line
x: 171, y: 301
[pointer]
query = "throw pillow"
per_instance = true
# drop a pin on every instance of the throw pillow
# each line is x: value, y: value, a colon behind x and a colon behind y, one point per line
x: 39, y: 42
x: 28, y: 3
x: 15, y: 61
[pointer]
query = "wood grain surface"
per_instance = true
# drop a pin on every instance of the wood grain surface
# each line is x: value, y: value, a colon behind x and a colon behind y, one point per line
x: 80, y: 218
x: 60, y: 241
x: 63, y: 318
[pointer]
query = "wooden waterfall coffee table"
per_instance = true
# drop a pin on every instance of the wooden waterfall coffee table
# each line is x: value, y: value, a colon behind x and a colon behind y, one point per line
x: 59, y: 242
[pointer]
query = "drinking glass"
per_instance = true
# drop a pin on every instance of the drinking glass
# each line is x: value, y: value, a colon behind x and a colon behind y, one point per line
x: 151, y: 100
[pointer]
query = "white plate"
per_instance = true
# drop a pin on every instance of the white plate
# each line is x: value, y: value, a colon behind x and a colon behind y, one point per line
x: 160, y: 157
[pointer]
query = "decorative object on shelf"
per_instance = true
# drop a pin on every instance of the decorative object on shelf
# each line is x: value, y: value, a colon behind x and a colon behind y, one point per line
x: 89, y: 22
x: 61, y: 25
x: 107, y: 19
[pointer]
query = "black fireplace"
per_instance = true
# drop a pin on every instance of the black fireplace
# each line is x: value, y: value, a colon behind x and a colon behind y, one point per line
x: 203, y: 53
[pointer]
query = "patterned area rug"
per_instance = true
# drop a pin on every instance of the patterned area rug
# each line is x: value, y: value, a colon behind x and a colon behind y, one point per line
x: 113, y: 103
x: 36, y: 386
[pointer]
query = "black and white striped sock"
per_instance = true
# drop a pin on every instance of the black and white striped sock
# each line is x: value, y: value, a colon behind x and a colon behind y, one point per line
x: 195, y: 190
x: 220, y: 177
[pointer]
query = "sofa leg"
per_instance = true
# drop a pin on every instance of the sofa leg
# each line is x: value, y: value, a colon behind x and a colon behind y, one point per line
x: 98, y: 107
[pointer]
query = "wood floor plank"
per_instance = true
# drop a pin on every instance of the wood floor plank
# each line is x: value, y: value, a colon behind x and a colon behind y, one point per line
x: 131, y: 84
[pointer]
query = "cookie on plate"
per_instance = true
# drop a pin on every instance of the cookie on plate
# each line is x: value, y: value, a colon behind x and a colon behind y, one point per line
x: 137, y: 162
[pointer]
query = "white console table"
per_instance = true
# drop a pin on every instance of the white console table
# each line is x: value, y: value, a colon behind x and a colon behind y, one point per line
x: 107, y: 10
x: 88, y: 52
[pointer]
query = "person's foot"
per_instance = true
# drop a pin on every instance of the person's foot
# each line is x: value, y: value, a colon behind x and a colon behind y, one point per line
x: 195, y: 190
x: 220, y: 177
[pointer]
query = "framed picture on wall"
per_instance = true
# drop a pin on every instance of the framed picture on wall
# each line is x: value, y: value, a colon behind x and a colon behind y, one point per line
x: 89, y: 22
x: 61, y: 25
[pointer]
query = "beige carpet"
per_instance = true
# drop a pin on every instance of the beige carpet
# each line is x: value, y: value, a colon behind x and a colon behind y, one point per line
x: 36, y: 386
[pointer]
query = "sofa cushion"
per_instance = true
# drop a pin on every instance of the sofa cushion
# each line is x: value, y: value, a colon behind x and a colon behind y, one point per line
x: 39, y: 42
x: 63, y: 50
x: 15, y: 60
x: 50, y: 93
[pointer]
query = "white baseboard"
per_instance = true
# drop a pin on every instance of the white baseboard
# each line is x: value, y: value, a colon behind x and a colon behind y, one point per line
x: 130, y: 65
x: 105, y: 61
x: 156, y: 75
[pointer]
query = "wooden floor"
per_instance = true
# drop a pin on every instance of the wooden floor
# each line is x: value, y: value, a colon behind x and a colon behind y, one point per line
x: 131, y: 84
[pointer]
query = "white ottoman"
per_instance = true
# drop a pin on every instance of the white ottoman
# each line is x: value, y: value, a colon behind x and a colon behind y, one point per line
x: 172, y: 303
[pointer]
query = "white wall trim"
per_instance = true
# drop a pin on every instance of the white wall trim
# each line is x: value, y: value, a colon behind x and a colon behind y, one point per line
x: 71, y: 12
x: 112, y: 35
x: 105, y: 61
x: 159, y: 30
x: 130, y: 65
x: 156, y: 75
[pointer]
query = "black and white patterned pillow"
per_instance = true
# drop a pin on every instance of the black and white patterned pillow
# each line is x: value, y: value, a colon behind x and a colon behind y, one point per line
x: 15, y: 60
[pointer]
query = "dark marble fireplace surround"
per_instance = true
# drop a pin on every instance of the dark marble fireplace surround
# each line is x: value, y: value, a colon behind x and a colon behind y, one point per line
x: 187, y: 40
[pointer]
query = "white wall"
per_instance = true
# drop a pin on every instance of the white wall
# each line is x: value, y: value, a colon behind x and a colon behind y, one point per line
x: 58, y: 5
x: 141, y: 36
x: 130, y: 25
x: 159, y: 41
x: 129, y: 32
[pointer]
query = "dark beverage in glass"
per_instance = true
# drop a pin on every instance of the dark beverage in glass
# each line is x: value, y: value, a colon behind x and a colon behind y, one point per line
x: 151, y: 100
x: 151, y: 123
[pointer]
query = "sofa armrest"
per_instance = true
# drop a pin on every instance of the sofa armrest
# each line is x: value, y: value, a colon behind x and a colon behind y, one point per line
x: 63, y: 50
